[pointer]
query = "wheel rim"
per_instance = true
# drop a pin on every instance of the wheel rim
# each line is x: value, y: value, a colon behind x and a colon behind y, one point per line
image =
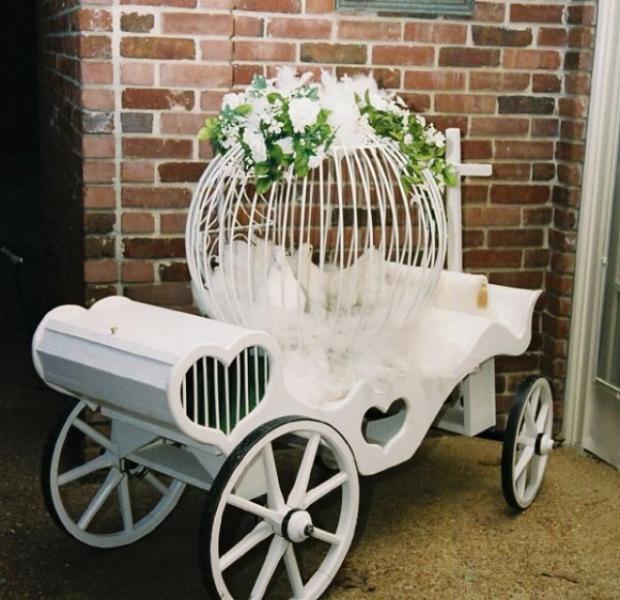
x: 534, y: 425
x: 83, y: 493
x: 285, y: 522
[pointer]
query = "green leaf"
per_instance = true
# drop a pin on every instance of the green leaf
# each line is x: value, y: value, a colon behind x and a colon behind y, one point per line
x: 243, y: 109
x: 259, y: 82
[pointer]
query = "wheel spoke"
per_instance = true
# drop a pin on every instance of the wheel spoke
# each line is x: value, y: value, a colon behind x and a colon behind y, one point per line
x: 325, y: 536
x: 274, y: 555
x: 111, y: 481
x: 101, y: 462
x: 94, y: 435
x: 274, y: 492
x: 156, y: 483
x: 124, y: 502
x: 305, y: 469
x: 263, y: 512
x: 541, y: 420
x: 530, y: 423
x: 523, y: 461
x: 521, y: 483
x: 293, y: 572
x: 260, y: 533
x: 315, y: 494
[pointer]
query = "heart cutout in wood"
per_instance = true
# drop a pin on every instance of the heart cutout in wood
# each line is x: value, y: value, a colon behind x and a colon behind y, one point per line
x: 380, y: 427
x: 218, y: 396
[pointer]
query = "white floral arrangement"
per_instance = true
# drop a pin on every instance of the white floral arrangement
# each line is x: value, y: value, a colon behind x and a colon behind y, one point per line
x: 291, y: 121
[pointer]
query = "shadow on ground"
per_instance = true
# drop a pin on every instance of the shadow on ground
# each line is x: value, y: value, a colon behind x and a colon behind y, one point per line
x: 438, y: 527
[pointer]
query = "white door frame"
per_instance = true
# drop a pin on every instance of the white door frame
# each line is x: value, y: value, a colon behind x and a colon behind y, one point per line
x: 594, y: 217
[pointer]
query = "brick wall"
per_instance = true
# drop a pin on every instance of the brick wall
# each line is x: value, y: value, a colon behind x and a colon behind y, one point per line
x: 514, y: 78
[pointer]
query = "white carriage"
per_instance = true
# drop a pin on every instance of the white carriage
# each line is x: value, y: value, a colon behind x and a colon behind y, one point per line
x: 338, y: 340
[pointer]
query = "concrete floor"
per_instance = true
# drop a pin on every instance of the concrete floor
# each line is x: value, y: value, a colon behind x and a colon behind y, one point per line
x: 438, y: 526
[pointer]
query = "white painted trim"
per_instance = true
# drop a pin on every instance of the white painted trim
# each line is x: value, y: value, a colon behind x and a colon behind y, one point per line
x: 594, y: 218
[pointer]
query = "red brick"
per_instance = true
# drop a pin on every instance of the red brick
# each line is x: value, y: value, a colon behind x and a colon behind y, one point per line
x: 137, y: 247
x: 519, y: 238
x: 287, y: 6
x: 519, y: 194
x: 475, y: 194
x: 490, y: 12
x: 137, y: 223
x: 476, y: 149
x: 536, y: 13
x: 475, y: 216
x: 498, y: 81
x: 137, y: 171
x: 500, y: 36
x: 216, y: 50
x: 320, y: 6
x: 417, y: 102
x: 528, y: 150
x: 88, y: 19
x: 522, y: 279
x: 552, y: 36
x: 157, y: 99
x: 281, y: 27
x: 98, y: 171
x: 197, y: 24
x: 581, y: 37
x: 536, y: 258
x: 99, y: 197
x: 173, y: 222
x: 181, y: 171
x: 95, y: 72
x: 174, y: 271
x: 542, y: 82
x: 244, y: 26
x: 468, y: 57
x: 544, y: 127
x: 97, y: 99
x: 486, y: 259
x: 461, y: 103
x: 211, y: 100
x: 157, y: 148
x: 216, y: 76
x: 137, y: 23
x: 267, y: 51
x: 99, y: 271
x: 94, y: 46
x: 149, y: 197
x: 511, y: 171
x: 435, y: 80
x: 403, y: 55
x: 526, y: 105
x: 154, y: 47
x: 578, y: 83
x: 500, y: 126
x: 137, y: 271
x: 369, y: 30
x: 578, y: 60
x: 435, y: 33
x: 164, y: 294
x: 98, y: 146
x: 97, y: 222
x: 333, y: 53
x: 581, y: 14
x: 531, y: 59
x: 573, y: 107
x: 543, y: 171
x: 244, y: 74
x: 575, y: 130
x: 137, y: 73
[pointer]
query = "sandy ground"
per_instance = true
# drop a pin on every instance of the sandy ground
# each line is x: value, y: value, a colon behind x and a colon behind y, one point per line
x: 438, y: 526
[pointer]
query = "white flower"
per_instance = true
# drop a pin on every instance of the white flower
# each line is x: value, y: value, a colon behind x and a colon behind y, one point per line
x: 408, y: 139
x: 303, y: 112
x: 440, y: 139
x: 315, y: 161
x: 232, y: 100
x: 421, y: 120
x: 256, y: 142
x: 260, y: 110
x: 286, y: 145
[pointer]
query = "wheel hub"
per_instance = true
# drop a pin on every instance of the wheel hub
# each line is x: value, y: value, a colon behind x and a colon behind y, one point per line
x: 544, y: 444
x: 297, y: 525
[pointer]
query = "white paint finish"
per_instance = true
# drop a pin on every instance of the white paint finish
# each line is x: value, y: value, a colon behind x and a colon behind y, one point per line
x: 592, y: 414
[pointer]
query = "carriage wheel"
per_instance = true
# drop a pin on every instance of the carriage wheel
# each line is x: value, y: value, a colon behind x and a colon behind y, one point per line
x: 299, y: 532
x: 94, y: 493
x: 527, y: 442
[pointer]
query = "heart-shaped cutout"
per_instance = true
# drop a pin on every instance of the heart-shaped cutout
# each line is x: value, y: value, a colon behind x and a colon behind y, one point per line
x: 380, y: 427
x: 218, y: 396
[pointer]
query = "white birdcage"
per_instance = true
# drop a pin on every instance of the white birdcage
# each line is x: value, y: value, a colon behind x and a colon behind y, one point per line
x: 329, y: 263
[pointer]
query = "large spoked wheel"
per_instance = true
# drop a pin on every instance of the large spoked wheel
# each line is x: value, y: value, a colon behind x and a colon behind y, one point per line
x: 276, y: 524
x: 528, y: 442
x: 94, y: 492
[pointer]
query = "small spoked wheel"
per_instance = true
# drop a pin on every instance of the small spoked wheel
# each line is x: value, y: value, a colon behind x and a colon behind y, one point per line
x: 96, y: 493
x: 276, y: 523
x: 528, y: 442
